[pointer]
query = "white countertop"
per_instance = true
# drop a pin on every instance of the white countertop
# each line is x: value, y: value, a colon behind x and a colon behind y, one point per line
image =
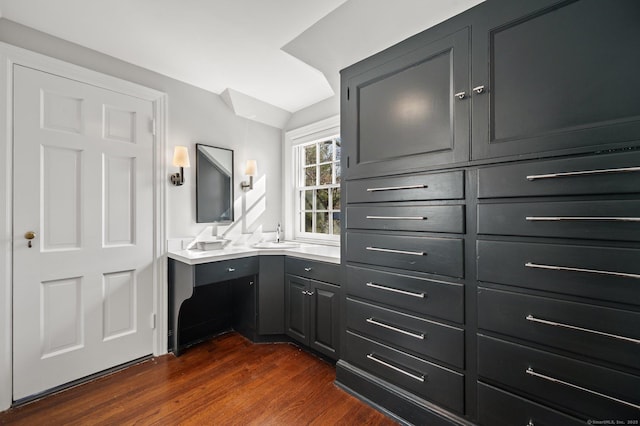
x: 322, y: 253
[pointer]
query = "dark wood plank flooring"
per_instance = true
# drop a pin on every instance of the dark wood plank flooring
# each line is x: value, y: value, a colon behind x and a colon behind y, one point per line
x: 226, y: 381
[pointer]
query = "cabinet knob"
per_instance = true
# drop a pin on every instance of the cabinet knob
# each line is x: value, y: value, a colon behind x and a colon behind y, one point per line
x: 461, y: 95
x: 310, y: 293
x: 231, y: 269
x: 478, y: 89
x: 308, y: 269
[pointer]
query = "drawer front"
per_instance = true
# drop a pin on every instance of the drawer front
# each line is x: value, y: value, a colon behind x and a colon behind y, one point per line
x: 425, y: 379
x: 605, y: 273
x: 499, y: 408
x: 595, y: 392
x: 407, y: 218
x: 415, y: 334
x: 600, y: 174
x: 321, y: 271
x: 602, y: 220
x: 433, y: 186
x: 423, y: 296
x: 598, y: 332
x: 442, y: 256
x: 223, y: 270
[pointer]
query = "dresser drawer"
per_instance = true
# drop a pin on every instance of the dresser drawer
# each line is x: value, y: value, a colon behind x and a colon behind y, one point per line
x: 499, y: 408
x: 605, y: 273
x: 602, y: 220
x: 423, y: 296
x: 593, y: 391
x: 598, y: 332
x: 425, y: 379
x: 407, y: 218
x: 598, y: 174
x: 224, y: 270
x: 432, y: 186
x: 415, y: 334
x: 442, y: 256
x: 321, y: 271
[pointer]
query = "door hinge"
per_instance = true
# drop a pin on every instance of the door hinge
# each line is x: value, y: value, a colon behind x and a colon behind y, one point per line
x: 153, y: 126
x: 347, y: 93
x: 152, y: 321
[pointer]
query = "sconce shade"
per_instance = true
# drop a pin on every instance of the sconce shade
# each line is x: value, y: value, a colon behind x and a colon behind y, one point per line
x: 251, y: 168
x: 181, y: 157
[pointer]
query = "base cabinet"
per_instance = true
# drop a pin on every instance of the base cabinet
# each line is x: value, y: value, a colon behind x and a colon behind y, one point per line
x: 312, y: 311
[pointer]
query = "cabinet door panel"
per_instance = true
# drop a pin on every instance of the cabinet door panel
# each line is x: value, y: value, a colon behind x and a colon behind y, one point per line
x: 403, y: 114
x: 555, y: 77
x: 296, y: 309
x: 324, y: 327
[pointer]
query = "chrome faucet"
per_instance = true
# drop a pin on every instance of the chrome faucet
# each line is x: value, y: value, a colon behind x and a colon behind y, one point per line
x: 278, y: 230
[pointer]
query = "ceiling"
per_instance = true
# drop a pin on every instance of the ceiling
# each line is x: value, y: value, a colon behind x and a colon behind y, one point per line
x: 283, y: 53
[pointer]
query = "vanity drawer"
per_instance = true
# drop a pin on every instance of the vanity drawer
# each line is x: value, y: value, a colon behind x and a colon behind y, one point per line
x: 606, y: 273
x: 602, y: 220
x: 425, y: 379
x: 499, y: 408
x: 598, y: 174
x: 596, y: 331
x: 432, y: 186
x: 593, y: 391
x: 415, y: 334
x: 442, y: 256
x: 407, y: 218
x: 321, y: 271
x: 224, y: 270
x: 423, y: 296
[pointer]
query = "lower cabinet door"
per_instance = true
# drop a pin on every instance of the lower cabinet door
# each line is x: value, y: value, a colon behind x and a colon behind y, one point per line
x: 324, y: 313
x: 499, y: 408
x: 296, y: 309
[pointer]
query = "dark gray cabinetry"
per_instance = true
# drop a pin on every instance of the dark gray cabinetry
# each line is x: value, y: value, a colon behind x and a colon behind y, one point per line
x: 312, y: 307
x: 271, y: 295
x: 557, y: 75
x: 402, y: 113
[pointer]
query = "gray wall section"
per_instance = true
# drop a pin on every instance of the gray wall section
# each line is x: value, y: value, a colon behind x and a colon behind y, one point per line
x: 195, y: 115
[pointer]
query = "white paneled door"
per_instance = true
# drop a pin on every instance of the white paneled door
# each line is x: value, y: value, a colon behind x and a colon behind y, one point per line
x: 83, y: 193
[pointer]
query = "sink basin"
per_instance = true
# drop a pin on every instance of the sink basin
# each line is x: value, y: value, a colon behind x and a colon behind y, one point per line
x: 275, y: 245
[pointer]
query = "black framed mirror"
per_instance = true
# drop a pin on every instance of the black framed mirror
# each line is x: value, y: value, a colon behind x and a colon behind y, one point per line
x: 214, y: 184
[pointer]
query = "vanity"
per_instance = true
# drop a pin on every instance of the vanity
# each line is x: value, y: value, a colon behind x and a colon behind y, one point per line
x: 264, y: 294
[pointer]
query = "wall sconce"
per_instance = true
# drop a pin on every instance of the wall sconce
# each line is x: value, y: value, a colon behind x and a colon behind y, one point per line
x: 180, y: 159
x: 251, y: 169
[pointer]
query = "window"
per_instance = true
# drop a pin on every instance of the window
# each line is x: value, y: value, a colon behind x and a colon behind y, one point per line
x: 317, y: 187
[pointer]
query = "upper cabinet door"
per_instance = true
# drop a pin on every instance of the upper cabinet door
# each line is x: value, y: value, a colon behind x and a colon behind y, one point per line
x: 400, y: 111
x: 556, y: 76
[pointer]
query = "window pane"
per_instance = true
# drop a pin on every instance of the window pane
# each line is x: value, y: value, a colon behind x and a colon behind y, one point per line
x: 335, y: 198
x: 322, y: 199
x: 310, y: 176
x: 308, y: 222
x: 338, y: 171
x: 326, y: 151
x: 336, y: 223
x: 310, y: 154
x: 308, y: 200
x: 325, y: 174
x: 322, y: 223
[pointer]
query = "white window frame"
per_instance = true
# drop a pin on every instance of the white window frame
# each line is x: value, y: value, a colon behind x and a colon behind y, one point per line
x: 321, y: 130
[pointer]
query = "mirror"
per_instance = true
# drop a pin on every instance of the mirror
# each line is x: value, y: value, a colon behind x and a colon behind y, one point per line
x: 214, y: 184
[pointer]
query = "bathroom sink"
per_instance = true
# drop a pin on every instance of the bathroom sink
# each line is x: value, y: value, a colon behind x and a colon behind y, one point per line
x: 275, y: 245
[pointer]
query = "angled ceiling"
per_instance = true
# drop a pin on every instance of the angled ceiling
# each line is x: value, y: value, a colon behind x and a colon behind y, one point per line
x: 284, y: 53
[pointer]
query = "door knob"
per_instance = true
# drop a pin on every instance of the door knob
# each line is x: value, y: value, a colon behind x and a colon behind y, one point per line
x: 30, y: 235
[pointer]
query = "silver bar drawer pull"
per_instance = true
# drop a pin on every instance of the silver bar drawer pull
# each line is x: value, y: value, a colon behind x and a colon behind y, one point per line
x: 591, y: 271
x: 393, y: 367
x: 581, y: 218
x: 586, y: 330
x: 584, y: 173
x: 396, y: 290
x: 397, y: 188
x: 386, y: 250
x: 373, y: 321
x: 398, y: 217
x: 530, y: 372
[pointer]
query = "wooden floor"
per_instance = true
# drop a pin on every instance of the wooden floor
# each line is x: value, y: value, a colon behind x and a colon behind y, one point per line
x: 226, y: 381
